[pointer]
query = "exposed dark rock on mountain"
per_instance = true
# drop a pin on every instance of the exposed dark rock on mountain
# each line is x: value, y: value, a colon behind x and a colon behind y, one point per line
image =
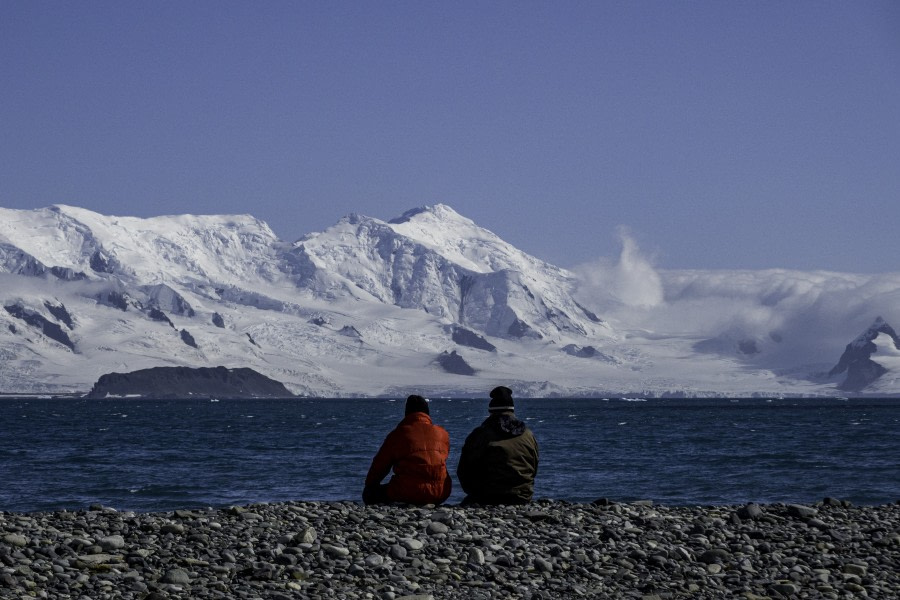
x: 114, y: 299
x: 60, y: 313
x: 158, y: 315
x: 101, y: 263
x: 350, y: 331
x: 14, y: 260
x: 590, y: 315
x: 188, y: 339
x: 67, y: 274
x: 580, y: 351
x: 252, y: 341
x: 185, y: 382
x: 464, y: 337
x: 856, y: 360
x: 218, y: 320
x: 454, y: 363
x: 48, y: 328
x: 165, y: 298
x: 405, y: 217
x: 521, y: 329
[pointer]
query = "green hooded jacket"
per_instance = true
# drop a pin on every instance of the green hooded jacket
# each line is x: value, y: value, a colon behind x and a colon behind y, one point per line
x: 499, y: 461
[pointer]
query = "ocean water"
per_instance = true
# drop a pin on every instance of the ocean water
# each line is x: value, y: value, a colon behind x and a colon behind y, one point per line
x: 153, y: 455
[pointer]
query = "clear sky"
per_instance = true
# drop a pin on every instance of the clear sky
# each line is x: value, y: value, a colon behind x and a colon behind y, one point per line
x: 723, y: 134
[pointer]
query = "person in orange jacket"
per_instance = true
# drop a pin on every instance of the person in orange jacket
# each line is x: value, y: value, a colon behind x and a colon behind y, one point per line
x: 417, y: 452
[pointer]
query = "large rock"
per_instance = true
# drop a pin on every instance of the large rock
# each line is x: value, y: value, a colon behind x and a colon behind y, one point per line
x: 185, y: 382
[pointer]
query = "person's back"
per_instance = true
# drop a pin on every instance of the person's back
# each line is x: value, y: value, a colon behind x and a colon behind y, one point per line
x: 417, y: 452
x: 499, y: 459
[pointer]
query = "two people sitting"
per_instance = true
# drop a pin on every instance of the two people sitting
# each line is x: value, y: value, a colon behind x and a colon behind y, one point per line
x: 498, y: 464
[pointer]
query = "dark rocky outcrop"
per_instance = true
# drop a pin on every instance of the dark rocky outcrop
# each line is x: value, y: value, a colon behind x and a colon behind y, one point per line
x: 188, y: 339
x: 100, y: 263
x: 48, y: 328
x: 60, y: 313
x: 454, y: 363
x: 115, y: 299
x: 350, y: 331
x: 590, y: 315
x: 464, y: 337
x: 218, y: 320
x: 165, y: 298
x: 186, y: 382
x: 67, y: 274
x: 856, y: 360
x: 521, y: 329
x: 15, y: 260
x: 580, y: 351
x: 158, y: 315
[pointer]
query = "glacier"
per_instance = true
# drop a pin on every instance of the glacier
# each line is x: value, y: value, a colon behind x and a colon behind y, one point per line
x: 428, y: 302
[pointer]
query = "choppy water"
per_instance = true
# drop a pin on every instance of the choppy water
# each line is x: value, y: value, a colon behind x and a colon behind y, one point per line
x: 150, y: 455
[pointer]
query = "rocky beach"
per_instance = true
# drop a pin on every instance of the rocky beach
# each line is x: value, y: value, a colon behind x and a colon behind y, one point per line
x: 547, y: 549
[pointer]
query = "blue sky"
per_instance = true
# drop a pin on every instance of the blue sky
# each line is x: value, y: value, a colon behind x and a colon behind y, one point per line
x: 721, y: 134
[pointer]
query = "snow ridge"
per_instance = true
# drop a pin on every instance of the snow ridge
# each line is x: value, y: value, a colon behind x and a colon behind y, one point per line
x: 428, y: 302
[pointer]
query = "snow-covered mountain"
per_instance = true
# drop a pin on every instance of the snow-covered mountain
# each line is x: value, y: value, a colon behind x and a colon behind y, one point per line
x: 863, y: 371
x: 427, y: 302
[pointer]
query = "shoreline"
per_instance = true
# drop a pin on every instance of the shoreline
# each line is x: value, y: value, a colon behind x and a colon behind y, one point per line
x: 546, y: 549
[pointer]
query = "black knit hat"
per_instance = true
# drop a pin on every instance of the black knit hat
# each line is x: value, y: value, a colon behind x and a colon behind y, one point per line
x: 416, y: 404
x: 501, y: 399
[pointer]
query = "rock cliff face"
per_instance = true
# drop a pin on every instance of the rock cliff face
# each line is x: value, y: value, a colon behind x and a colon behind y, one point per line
x: 856, y: 360
x: 185, y: 382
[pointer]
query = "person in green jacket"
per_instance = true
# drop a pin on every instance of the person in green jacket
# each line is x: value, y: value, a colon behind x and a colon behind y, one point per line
x: 499, y: 459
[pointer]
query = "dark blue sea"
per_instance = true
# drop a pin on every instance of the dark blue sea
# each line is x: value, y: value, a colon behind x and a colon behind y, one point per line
x: 154, y: 455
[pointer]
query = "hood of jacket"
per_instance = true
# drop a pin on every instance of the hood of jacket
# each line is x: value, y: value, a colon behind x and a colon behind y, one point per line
x: 507, y: 423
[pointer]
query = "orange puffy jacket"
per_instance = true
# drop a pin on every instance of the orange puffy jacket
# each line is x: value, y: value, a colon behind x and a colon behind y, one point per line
x: 417, y: 450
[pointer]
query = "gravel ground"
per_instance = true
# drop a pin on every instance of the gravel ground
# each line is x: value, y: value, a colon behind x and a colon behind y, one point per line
x: 547, y: 549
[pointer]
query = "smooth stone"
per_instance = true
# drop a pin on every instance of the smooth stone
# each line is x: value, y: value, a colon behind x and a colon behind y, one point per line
x: 307, y: 536
x: 336, y: 551
x: 785, y: 588
x: 112, y: 542
x: 14, y: 539
x: 176, y: 577
x: 476, y: 556
x: 436, y: 528
x: 801, y: 512
x: 374, y: 560
x: 750, y: 512
x: 412, y: 544
x: 543, y: 565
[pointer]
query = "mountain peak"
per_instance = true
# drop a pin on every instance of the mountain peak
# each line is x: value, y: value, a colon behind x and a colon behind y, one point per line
x: 440, y: 212
x: 879, y: 326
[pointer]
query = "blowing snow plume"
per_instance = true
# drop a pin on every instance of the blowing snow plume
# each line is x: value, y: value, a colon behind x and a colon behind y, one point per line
x: 632, y: 281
